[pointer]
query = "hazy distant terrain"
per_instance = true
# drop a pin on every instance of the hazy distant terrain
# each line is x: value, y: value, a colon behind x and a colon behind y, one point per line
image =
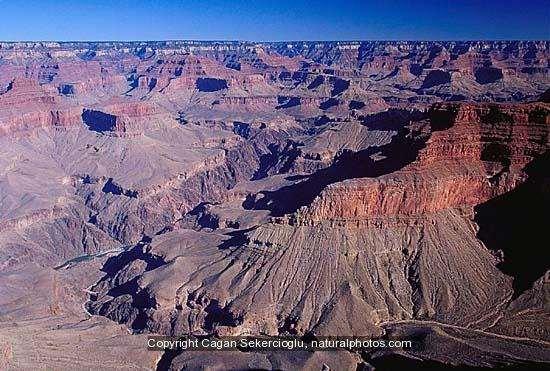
x: 377, y: 189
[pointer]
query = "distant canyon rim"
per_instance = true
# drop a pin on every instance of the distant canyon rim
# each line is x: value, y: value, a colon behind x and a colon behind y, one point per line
x: 373, y: 188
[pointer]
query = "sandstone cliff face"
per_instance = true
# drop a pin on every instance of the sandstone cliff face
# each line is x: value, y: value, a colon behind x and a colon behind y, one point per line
x: 318, y: 287
x: 325, y: 77
x: 26, y: 105
x: 24, y: 122
x: 330, y: 188
x: 479, y: 154
x: 402, y: 246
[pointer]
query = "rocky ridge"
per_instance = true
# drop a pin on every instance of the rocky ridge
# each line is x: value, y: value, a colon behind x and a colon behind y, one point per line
x: 300, y: 188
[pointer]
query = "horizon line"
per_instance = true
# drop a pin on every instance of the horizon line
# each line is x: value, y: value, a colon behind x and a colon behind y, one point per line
x: 266, y: 41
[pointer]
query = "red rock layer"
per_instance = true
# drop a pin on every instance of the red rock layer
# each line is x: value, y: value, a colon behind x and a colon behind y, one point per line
x: 479, y: 157
x: 27, y: 105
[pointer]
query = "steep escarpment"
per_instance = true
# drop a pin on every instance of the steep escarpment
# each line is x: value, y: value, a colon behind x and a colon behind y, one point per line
x: 511, y: 236
x: 479, y: 154
x: 382, y: 189
x: 129, y: 212
x: 27, y: 105
x: 289, y: 265
x: 361, y: 246
x: 402, y: 149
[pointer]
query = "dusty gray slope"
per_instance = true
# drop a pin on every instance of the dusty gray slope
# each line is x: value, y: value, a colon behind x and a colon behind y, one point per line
x: 253, y: 189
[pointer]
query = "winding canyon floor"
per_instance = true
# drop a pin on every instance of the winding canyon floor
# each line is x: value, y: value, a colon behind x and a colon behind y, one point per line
x: 376, y: 189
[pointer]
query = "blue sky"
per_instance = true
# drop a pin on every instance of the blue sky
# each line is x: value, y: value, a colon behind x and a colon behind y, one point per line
x: 273, y: 20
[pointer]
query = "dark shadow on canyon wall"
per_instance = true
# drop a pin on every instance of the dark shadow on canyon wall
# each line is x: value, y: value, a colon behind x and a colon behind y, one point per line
x: 339, y: 86
x: 280, y: 158
x: 236, y: 238
x: 318, y: 81
x: 401, y: 151
x: 98, y: 121
x: 435, y: 78
x: 210, y: 84
x: 167, y: 358
x: 355, y: 104
x: 141, y: 299
x: 288, y: 102
x: 111, y: 187
x: 517, y: 222
x: 331, y: 102
x: 488, y: 75
x: 138, y: 252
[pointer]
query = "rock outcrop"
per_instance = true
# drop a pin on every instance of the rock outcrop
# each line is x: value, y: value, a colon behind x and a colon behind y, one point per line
x: 379, y: 189
x: 480, y: 153
x: 397, y: 241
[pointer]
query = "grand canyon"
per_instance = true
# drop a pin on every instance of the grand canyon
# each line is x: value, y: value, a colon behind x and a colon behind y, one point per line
x: 380, y: 189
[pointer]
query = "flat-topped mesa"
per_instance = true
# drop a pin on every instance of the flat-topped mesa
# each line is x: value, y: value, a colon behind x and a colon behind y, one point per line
x: 82, y: 78
x: 510, y: 134
x: 25, y: 121
x: 26, y: 105
x: 475, y: 152
x: 90, y: 85
x: 128, y: 118
x: 22, y: 91
x: 276, y: 60
x: 124, y: 118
